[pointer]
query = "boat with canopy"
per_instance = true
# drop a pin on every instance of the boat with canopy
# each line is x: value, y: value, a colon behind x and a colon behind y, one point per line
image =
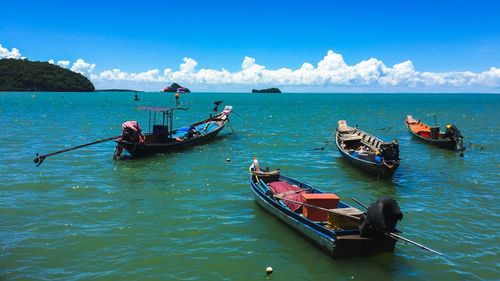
x: 163, y: 138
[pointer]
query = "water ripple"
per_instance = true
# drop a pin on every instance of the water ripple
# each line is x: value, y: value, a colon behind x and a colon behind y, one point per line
x: 192, y: 216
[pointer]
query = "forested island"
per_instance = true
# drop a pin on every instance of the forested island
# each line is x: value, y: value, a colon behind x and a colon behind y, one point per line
x: 36, y: 76
x: 269, y: 90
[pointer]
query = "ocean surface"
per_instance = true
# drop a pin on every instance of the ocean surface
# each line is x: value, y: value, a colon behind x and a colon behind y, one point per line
x: 191, y: 215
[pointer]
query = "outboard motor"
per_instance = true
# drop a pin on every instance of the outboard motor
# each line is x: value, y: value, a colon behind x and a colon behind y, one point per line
x: 390, y: 151
x: 459, y: 140
x: 380, y: 218
x: 453, y: 132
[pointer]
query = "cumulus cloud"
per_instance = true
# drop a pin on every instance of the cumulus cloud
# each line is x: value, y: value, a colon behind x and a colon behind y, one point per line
x: 152, y: 75
x: 63, y: 63
x: 82, y: 67
x: 489, y: 78
x: 188, y: 66
x: 12, y: 54
x: 330, y: 71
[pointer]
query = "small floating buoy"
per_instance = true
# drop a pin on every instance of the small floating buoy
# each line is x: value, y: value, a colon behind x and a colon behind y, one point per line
x: 176, y: 99
x: 228, y: 160
x: 269, y: 270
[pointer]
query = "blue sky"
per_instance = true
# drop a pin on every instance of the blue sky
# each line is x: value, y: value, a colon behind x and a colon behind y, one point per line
x: 137, y: 36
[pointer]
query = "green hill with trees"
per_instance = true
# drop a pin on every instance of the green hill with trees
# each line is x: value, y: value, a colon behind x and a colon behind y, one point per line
x: 35, y: 76
x: 269, y: 90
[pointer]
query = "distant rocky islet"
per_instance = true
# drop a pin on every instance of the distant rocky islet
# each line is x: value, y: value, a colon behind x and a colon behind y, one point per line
x: 268, y: 90
x: 175, y: 88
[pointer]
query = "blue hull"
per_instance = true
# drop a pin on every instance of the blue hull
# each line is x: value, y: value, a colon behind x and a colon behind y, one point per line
x: 338, y: 244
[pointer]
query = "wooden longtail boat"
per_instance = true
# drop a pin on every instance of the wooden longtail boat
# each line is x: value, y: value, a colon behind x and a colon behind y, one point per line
x: 337, y: 228
x: 366, y: 151
x: 163, y: 139
x: 451, y: 139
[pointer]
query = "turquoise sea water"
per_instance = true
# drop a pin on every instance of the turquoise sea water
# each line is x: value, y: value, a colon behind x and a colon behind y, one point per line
x: 191, y: 215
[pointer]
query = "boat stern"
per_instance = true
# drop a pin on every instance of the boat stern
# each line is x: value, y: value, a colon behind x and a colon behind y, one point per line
x: 348, y: 246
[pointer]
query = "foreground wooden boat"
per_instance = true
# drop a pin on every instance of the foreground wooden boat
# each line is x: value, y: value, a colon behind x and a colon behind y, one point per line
x: 337, y: 228
x: 163, y: 139
x: 366, y: 151
x: 451, y: 139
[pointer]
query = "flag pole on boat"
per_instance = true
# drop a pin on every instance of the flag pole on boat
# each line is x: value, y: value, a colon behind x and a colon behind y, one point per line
x: 433, y: 114
x: 216, y: 106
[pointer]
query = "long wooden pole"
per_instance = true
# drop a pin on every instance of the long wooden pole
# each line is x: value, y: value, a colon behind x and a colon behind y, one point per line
x: 327, y: 143
x: 39, y: 158
x: 319, y: 208
x: 415, y: 243
x: 363, y: 205
x: 396, y: 236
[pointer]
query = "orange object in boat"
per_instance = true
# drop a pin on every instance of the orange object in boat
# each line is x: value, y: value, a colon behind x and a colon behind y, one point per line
x: 323, y: 200
x: 417, y: 127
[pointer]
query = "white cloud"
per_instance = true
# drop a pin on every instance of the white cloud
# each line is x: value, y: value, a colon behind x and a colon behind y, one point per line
x: 12, y: 54
x: 63, y: 63
x: 331, y: 71
x: 80, y: 66
x: 188, y: 66
x: 399, y: 74
x: 489, y: 78
x: 117, y: 74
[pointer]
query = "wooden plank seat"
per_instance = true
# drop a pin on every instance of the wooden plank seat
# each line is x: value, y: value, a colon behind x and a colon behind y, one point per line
x: 352, y: 138
x: 344, y: 218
